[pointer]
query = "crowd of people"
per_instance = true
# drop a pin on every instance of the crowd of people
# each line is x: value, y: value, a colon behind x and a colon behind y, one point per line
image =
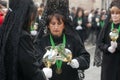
x: 87, y: 23
x: 31, y: 33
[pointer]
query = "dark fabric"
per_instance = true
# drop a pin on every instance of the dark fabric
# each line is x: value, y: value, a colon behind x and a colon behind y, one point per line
x: 98, y: 52
x: 95, y: 27
x: 79, y: 53
x: 11, y: 43
x: 110, y: 62
x: 26, y: 60
x: 98, y: 57
x: 55, y: 5
x: 82, y: 33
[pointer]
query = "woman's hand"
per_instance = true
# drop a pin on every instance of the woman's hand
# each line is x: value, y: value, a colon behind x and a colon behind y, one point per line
x: 47, y: 72
x: 74, y: 63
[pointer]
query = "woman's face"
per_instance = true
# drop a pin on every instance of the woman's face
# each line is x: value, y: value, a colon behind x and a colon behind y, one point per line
x: 115, y: 14
x: 103, y: 17
x: 80, y: 14
x: 40, y: 10
x: 56, y: 27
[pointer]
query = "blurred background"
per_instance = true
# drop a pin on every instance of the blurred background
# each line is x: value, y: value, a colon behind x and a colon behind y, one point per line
x: 86, y: 4
x: 93, y: 9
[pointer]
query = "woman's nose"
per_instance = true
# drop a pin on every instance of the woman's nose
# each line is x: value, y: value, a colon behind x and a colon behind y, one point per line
x: 56, y: 25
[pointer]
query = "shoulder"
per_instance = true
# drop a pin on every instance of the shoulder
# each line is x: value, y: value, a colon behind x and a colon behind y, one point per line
x: 44, y: 38
x: 108, y: 25
x: 70, y: 38
x: 25, y: 35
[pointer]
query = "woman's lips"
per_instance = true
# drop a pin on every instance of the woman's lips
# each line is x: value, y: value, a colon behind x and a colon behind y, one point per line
x: 56, y: 30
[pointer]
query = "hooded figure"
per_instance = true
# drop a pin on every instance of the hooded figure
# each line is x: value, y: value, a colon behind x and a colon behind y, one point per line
x: 59, y: 30
x: 109, y: 45
x: 17, y: 57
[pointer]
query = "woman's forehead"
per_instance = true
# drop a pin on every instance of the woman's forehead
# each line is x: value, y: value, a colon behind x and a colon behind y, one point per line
x: 114, y: 8
x: 56, y: 18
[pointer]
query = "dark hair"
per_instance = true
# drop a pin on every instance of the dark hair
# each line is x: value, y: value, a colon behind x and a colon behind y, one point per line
x: 73, y: 8
x: 92, y: 10
x: 31, y: 15
x: 58, y: 16
x: 78, y: 10
x: 42, y: 5
x: 102, y: 14
x: 115, y: 3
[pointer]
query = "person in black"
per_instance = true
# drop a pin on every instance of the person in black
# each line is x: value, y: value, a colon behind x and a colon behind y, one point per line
x: 72, y: 13
x: 59, y: 32
x: 17, y: 54
x: 52, y: 6
x: 101, y: 24
x: 79, y: 23
x: 111, y: 48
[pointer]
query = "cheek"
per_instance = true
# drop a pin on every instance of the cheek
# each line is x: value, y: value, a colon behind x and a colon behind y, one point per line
x: 50, y: 28
x: 79, y: 14
x: 114, y: 17
x: 119, y: 16
x: 62, y: 28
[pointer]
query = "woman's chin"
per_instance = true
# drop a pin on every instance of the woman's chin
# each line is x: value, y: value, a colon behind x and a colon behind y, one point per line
x: 56, y: 35
x: 116, y: 21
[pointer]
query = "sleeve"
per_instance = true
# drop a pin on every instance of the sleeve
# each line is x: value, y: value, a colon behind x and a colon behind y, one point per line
x: 39, y: 49
x: 75, y: 22
x: 84, y: 23
x: 118, y: 47
x: 27, y: 60
x: 82, y: 56
x: 100, y: 42
x: 85, y: 20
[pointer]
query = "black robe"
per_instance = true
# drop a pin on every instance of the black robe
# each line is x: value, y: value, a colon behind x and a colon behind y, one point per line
x: 26, y: 67
x: 111, y: 61
x: 82, y: 33
x: 79, y: 53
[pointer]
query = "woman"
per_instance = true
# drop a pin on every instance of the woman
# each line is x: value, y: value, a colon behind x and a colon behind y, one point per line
x: 17, y: 57
x: 111, y: 48
x: 102, y: 22
x: 40, y: 11
x: 52, y: 6
x: 79, y: 23
x: 59, y: 32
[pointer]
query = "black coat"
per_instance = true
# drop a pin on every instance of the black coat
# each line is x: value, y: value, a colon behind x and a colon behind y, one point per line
x: 111, y: 61
x: 27, y: 65
x: 79, y: 53
x: 82, y: 33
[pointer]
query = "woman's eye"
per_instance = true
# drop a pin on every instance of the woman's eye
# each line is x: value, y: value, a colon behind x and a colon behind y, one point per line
x: 53, y: 23
x: 59, y: 23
